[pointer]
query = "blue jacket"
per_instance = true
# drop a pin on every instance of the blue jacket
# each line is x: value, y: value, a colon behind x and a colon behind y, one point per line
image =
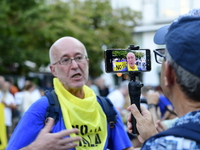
x: 33, y: 121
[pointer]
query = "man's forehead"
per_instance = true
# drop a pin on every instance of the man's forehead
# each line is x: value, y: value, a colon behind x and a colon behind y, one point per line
x: 68, y: 47
x: 130, y: 55
x: 67, y: 44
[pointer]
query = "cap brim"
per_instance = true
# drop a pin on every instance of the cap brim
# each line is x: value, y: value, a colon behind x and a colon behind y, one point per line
x: 159, y: 37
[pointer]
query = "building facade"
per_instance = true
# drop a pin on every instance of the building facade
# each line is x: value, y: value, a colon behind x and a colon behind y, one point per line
x: 155, y: 14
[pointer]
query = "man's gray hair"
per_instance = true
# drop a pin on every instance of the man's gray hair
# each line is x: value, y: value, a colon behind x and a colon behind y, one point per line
x: 189, y: 83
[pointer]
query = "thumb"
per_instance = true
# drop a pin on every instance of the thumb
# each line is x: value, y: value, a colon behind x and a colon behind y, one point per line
x: 134, y: 110
x: 48, y: 125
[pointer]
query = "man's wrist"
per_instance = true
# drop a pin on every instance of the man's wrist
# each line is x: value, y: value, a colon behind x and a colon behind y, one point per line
x: 152, y: 106
x: 29, y: 147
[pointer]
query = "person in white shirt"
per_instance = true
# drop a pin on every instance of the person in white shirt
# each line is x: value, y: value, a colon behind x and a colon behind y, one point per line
x: 8, y: 100
x: 118, y: 95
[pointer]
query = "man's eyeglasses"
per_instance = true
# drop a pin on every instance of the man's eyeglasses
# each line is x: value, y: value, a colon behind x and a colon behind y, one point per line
x: 159, y: 55
x: 67, y: 60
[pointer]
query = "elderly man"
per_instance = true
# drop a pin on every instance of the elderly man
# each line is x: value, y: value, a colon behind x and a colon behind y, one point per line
x: 80, y: 109
x: 131, y: 66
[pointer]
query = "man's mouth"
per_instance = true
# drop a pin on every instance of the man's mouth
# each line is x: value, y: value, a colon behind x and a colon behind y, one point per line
x: 76, y: 75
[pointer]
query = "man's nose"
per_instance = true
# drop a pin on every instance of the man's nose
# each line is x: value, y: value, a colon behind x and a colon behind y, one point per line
x: 74, y: 64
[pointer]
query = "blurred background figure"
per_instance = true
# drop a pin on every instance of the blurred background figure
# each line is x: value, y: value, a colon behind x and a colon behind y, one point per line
x: 13, y: 88
x: 3, y: 134
x: 25, y: 98
x: 36, y: 93
x: 103, y: 89
x: 28, y: 99
x: 118, y: 96
x: 7, y: 99
x: 143, y: 97
x: 166, y: 108
x: 92, y: 85
x: 48, y: 86
x: 158, y: 101
x: 121, y: 100
x: 161, y: 109
x: 2, y: 80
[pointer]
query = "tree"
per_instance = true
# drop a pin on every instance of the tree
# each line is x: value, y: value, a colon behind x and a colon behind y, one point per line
x: 30, y: 27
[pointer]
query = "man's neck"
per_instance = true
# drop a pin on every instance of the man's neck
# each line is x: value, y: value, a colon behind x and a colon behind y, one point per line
x: 77, y: 92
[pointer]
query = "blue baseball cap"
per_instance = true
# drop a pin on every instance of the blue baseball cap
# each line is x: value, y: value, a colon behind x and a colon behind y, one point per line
x: 159, y: 37
x: 182, y: 40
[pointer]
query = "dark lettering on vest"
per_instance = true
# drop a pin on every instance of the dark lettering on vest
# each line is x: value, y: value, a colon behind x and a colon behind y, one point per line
x: 85, y: 142
x: 99, y: 129
x: 84, y: 129
x: 97, y: 139
x: 89, y: 139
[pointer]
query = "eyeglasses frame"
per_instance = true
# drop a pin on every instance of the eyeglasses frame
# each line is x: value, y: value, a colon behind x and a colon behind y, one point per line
x: 70, y: 60
x: 156, y: 52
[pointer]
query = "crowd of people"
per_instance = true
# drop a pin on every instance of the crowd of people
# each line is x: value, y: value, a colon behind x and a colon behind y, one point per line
x: 16, y: 102
x: 169, y: 113
x: 19, y: 101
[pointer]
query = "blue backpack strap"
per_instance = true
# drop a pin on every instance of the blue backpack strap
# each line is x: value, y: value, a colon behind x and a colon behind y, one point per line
x: 109, y: 110
x: 54, y: 106
x: 189, y: 131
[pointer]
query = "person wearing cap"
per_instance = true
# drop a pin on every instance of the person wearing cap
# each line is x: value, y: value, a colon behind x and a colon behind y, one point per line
x: 180, y: 82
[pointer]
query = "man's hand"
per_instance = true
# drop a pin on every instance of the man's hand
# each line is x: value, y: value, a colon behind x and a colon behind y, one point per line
x: 145, y: 123
x: 53, y: 141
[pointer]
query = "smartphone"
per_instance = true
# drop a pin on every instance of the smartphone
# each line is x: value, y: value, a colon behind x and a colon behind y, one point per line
x: 126, y: 60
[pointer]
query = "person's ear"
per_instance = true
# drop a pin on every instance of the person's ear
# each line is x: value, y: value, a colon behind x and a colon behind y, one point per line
x: 170, y: 76
x: 52, y: 68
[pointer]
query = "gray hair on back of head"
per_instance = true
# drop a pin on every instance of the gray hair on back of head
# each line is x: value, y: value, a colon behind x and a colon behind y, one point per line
x: 189, y: 83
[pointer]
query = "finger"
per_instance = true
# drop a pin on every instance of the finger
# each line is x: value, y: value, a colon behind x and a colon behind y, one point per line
x: 135, y: 111
x: 160, y: 126
x: 129, y: 125
x: 68, y: 146
x: 129, y: 108
x: 129, y: 117
x: 67, y: 132
x: 48, y: 125
x: 140, y: 117
x: 70, y: 140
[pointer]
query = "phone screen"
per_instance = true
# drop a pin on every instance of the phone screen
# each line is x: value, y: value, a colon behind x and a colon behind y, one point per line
x: 120, y: 60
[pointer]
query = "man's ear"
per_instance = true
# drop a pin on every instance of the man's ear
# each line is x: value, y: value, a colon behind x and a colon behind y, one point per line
x: 170, y: 76
x: 52, y: 68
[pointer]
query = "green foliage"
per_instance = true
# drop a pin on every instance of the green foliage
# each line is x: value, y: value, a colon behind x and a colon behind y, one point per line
x: 29, y: 28
x: 139, y: 55
x: 120, y: 54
